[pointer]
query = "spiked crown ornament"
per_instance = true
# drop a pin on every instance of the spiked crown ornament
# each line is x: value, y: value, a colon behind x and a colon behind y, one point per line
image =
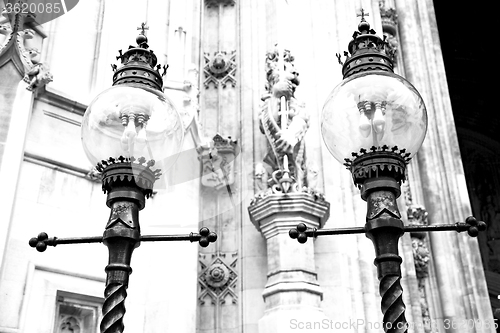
x: 139, y: 65
x: 367, y: 51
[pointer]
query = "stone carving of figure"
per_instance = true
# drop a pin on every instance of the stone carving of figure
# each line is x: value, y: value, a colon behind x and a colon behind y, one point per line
x: 312, y: 174
x: 284, y: 138
x: 260, y: 176
x: 37, y: 76
x: 69, y: 325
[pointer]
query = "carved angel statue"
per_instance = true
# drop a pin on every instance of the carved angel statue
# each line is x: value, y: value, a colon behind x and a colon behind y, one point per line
x: 284, y: 138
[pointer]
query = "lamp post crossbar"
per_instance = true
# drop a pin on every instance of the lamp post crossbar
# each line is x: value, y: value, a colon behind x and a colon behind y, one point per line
x: 472, y: 226
x: 384, y: 231
x: 204, y: 238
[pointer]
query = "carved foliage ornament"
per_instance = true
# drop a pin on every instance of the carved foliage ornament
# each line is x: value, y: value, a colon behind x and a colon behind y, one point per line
x: 417, y: 214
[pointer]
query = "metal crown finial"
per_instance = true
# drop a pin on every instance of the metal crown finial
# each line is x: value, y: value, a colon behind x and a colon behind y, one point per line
x: 367, y: 51
x: 139, y: 64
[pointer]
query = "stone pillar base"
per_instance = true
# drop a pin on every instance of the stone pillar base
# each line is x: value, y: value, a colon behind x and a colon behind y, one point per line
x: 292, y: 294
x: 293, y: 320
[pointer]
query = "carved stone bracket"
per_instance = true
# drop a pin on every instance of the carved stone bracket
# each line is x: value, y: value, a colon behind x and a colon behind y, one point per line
x: 389, y: 26
x: 217, y: 278
x: 216, y: 3
x: 37, y: 76
x: 26, y: 58
x: 292, y: 290
x: 268, y: 207
x: 217, y: 161
x: 421, y: 257
x: 418, y: 215
x: 220, y: 69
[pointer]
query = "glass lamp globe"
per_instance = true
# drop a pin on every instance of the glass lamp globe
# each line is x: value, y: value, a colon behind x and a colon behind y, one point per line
x: 132, y: 121
x: 373, y: 109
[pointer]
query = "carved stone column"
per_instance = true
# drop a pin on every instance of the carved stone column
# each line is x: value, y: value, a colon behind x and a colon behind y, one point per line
x: 219, y: 274
x: 22, y: 76
x: 292, y: 294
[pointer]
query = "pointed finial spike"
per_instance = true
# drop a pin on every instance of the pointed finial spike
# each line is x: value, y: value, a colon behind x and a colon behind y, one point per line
x: 338, y: 58
x: 143, y: 28
x: 164, y: 70
x: 363, y: 14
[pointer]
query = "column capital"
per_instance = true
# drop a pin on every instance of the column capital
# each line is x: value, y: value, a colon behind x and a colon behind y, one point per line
x: 277, y: 213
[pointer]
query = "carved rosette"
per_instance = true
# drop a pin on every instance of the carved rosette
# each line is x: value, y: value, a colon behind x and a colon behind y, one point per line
x: 220, y: 69
x: 218, y: 278
x: 217, y: 161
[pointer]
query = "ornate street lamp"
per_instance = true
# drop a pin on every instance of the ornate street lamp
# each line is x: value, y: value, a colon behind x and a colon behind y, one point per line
x: 374, y: 122
x: 127, y: 130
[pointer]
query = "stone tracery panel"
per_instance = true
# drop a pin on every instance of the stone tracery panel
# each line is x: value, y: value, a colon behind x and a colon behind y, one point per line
x: 220, y: 69
x: 217, y: 278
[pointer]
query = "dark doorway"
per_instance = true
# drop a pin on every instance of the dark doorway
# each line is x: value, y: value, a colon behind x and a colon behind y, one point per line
x: 463, y: 31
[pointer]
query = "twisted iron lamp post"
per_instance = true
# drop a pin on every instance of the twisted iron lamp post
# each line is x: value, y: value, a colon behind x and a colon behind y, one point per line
x: 373, y: 122
x: 126, y: 131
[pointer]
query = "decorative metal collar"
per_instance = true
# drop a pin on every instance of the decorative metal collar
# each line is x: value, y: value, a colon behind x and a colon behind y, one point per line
x: 129, y: 173
x: 378, y: 163
x: 367, y: 51
x: 139, y: 65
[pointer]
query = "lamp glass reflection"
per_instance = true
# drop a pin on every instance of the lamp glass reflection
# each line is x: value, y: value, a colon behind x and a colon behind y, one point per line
x: 132, y: 121
x: 373, y: 109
